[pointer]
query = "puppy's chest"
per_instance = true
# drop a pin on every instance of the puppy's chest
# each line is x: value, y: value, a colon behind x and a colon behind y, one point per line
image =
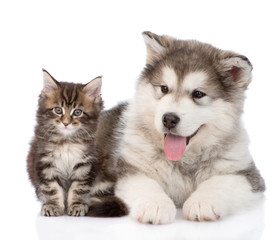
x: 179, y: 179
x: 177, y: 185
x: 64, y: 158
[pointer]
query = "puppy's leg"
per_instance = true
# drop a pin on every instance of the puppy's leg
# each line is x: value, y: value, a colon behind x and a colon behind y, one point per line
x: 219, y: 196
x: 147, y: 201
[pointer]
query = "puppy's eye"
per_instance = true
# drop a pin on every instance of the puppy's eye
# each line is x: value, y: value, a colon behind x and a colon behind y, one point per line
x: 164, y: 89
x: 198, y: 94
x: 77, y: 112
x: 58, y: 110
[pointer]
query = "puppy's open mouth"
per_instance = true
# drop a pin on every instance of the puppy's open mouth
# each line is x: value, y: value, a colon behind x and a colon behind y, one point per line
x: 175, y: 146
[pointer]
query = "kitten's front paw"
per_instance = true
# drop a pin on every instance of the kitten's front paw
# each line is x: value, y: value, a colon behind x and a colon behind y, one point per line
x: 155, y: 211
x: 52, y: 210
x: 203, y: 207
x: 77, y: 210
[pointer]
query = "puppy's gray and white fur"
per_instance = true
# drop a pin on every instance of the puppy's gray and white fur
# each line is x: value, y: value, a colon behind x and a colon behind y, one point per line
x: 216, y: 175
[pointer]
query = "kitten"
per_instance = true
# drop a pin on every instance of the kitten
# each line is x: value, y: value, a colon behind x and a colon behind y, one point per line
x: 70, y: 174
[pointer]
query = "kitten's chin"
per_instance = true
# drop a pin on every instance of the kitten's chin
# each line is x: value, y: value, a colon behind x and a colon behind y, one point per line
x: 69, y: 130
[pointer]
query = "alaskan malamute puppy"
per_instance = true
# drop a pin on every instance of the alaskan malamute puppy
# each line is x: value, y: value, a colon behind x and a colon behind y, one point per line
x: 180, y: 143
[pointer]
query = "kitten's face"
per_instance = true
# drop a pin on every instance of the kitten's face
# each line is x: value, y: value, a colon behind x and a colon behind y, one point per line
x: 69, y: 109
x: 68, y: 118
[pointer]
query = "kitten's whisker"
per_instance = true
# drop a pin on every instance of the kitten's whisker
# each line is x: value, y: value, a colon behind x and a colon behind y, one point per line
x: 48, y: 131
x: 84, y: 134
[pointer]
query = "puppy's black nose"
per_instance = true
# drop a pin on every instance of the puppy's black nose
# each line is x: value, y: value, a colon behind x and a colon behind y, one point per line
x: 170, y: 120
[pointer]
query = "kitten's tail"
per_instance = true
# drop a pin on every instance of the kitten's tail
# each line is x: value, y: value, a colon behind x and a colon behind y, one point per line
x: 109, y: 206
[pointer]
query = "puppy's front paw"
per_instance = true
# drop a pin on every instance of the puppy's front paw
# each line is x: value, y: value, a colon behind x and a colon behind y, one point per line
x: 203, y: 207
x: 52, y: 210
x: 77, y: 210
x: 155, y: 211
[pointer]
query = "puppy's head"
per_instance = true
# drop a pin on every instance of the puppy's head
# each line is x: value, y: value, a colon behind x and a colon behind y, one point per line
x: 189, y: 90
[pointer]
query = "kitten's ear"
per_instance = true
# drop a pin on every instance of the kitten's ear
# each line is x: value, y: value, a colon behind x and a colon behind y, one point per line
x: 93, y: 89
x: 156, y: 45
x: 237, y: 69
x: 50, y: 84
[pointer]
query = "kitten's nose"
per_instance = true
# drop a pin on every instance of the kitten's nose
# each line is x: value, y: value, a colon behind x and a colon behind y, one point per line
x: 65, y: 124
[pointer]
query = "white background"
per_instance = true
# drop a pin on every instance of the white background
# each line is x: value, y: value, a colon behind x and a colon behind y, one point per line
x: 79, y: 40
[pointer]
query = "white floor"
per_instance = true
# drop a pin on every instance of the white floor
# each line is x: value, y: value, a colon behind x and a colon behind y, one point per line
x: 236, y: 227
x: 21, y: 220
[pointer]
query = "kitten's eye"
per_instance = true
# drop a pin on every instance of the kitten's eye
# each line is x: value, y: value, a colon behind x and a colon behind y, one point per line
x: 164, y: 89
x: 77, y: 112
x: 198, y: 94
x: 58, y: 110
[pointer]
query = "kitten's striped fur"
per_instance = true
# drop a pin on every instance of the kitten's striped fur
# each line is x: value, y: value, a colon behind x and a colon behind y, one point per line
x: 70, y: 174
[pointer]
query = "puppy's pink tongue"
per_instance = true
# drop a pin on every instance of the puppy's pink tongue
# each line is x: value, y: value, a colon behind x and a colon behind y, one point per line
x: 174, y: 146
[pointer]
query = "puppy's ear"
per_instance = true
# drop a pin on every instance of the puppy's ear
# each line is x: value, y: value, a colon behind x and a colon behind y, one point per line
x: 93, y: 89
x: 237, y: 68
x: 156, y: 45
x: 50, y: 84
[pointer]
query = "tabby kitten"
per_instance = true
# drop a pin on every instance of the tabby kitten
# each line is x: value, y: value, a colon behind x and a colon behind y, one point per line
x: 68, y: 171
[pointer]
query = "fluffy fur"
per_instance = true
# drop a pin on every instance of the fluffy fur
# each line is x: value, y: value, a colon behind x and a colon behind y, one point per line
x: 201, y: 90
x: 70, y: 174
